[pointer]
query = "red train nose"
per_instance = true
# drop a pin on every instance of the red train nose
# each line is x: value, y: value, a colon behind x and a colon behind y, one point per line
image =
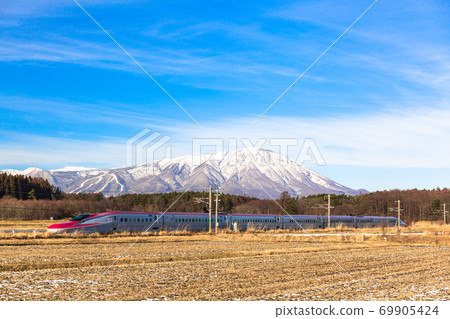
x: 61, y: 226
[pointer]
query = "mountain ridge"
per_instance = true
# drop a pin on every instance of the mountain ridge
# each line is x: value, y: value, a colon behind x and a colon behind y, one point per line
x: 254, y: 172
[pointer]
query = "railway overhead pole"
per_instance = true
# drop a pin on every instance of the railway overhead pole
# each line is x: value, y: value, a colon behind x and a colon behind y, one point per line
x: 445, y: 212
x: 208, y: 201
x: 217, y: 206
x: 210, y: 207
x: 398, y: 210
x: 328, y: 207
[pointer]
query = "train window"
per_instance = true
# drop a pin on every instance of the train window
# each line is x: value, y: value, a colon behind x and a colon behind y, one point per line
x: 121, y: 220
x: 126, y: 219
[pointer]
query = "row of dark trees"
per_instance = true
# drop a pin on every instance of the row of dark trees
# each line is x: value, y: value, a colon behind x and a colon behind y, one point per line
x: 35, y: 198
x: 415, y: 204
x: 24, y: 188
x: 175, y: 202
x: 70, y: 205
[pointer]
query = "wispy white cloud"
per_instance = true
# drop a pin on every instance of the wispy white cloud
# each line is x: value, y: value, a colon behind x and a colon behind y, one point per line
x: 106, y: 112
x: 416, y: 138
x: 25, y: 150
x: 411, y: 137
x: 328, y: 13
x: 157, y: 60
x: 22, y: 9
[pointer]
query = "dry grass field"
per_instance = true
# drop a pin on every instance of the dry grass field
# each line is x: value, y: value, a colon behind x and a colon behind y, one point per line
x: 27, y: 224
x: 244, y: 266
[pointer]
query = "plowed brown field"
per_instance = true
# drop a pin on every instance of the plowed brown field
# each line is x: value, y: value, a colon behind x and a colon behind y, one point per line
x: 222, y: 267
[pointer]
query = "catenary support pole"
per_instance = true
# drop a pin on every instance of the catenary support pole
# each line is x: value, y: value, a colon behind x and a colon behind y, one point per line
x: 329, y: 210
x: 210, y: 208
x: 217, y: 206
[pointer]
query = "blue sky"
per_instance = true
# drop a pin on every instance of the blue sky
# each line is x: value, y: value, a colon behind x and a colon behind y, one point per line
x: 377, y: 103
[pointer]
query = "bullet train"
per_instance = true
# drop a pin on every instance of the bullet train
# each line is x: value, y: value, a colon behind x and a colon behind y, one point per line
x: 109, y: 222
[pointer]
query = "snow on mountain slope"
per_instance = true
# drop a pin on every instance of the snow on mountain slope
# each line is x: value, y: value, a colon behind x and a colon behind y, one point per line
x: 255, y: 172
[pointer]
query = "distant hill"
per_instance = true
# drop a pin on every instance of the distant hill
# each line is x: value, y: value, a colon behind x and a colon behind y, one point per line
x: 258, y: 173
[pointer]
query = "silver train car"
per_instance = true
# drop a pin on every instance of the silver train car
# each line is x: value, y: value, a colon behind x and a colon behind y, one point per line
x: 109, y: 222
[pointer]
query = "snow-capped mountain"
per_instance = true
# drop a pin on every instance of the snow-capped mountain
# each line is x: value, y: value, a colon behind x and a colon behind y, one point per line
x: 255, y: 172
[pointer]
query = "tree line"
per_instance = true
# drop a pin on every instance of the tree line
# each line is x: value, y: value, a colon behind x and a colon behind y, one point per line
x: 24, y: 188
x: 35, y: 198
x: 415, y: 204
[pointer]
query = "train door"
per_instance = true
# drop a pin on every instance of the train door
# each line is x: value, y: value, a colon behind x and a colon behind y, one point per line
x: 114, y: 228
x: 227, y: 222
x: 280, y: 222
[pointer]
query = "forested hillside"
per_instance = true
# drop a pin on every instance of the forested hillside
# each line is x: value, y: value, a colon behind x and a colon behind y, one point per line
x: 23, y: 188
x: 34, y: 198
